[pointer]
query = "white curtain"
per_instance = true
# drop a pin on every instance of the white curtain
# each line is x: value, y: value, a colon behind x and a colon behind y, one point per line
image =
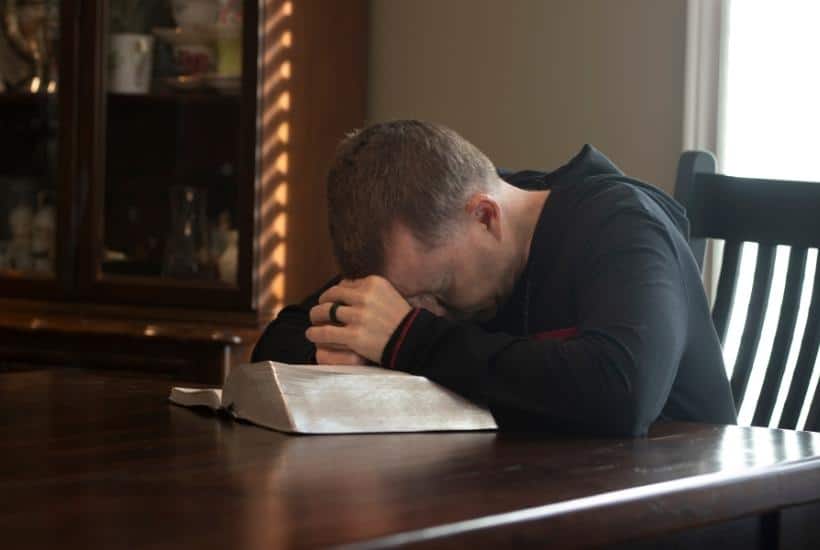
x: 705, y: 59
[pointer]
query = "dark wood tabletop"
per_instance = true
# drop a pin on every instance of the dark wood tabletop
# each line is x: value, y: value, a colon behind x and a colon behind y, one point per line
x: 94, y: 459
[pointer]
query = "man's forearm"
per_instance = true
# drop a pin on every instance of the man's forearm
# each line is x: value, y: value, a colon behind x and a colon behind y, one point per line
x: 582, y: 385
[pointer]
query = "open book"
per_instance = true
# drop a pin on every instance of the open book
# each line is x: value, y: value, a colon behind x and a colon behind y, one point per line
x: 323, y: 399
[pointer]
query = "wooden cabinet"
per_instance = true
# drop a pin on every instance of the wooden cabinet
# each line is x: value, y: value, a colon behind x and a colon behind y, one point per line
x: 184, y: 213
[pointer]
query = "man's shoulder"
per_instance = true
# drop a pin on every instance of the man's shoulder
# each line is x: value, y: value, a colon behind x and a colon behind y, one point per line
x: 598, y: 198
x: 604, y: 196
x: 615, y: 209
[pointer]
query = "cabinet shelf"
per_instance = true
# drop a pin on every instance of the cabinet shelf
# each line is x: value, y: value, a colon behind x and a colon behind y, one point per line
x: 16, y: 99
x: 172, y: 97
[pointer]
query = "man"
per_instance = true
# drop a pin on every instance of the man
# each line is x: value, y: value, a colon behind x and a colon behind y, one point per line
x: 565, y: 301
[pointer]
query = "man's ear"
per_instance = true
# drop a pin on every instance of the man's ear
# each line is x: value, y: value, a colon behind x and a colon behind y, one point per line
x: 485, y: 210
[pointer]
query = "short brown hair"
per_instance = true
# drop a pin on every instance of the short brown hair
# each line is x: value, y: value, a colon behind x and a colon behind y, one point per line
x: 408, y: 171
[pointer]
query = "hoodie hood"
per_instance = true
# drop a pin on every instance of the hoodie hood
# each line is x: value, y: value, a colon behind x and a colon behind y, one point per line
x: 591, y: 163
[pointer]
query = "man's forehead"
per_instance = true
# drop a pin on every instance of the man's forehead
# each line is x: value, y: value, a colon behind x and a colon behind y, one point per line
x: 412, y: 268
x: 413, y: 279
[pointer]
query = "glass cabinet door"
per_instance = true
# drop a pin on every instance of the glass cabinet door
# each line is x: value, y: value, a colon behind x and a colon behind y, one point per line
x: 29, y: 132
x: 175, y: 121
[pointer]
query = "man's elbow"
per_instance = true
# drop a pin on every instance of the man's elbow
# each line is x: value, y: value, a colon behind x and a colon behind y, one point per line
x: 627, y: 413
x: 628, y: 425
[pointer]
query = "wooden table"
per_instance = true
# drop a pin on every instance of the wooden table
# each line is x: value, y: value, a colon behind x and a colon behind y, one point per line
x: 101, y: 460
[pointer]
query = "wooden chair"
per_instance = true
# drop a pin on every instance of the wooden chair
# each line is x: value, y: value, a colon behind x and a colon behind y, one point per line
x: 770, y: 213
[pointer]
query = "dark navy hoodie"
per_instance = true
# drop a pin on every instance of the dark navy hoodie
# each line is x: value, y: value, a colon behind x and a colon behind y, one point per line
x: 607, y: 329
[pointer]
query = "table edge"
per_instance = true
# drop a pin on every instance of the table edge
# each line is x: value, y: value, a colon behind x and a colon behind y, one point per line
x: 805, y: 471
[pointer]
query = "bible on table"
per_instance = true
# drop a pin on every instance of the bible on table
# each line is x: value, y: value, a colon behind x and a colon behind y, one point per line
x: 325, y: 399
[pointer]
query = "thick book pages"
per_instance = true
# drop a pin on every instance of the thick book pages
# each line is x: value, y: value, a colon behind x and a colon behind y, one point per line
x: 319, y: 399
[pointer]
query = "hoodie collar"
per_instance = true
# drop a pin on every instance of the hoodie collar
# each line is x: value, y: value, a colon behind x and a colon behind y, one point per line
x: 586, y: 163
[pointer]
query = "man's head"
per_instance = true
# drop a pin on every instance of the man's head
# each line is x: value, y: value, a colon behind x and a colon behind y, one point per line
x: 420, y: 205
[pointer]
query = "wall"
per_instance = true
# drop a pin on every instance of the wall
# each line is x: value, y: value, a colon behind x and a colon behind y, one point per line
x: 531, y: 81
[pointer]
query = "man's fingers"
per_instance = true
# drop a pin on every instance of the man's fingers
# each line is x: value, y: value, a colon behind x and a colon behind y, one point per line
x: 329, y: 335
x: 335, y: 347
x: 321, y: 314
x: 352, y: 291
x: 365, y: 282
x: 345, y: 294
x: 326, y: 356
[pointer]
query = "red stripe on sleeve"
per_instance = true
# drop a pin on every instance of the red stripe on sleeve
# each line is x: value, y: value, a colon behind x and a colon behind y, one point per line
x: 404, y: 330
x: 558, y: 334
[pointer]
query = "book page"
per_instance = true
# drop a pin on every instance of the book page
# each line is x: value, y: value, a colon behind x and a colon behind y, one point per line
x: 345, y: 369
x: 195, y: 397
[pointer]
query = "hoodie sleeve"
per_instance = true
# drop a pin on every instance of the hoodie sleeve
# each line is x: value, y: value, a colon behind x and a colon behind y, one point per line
x: 612, y: 378
x: 284, y: 338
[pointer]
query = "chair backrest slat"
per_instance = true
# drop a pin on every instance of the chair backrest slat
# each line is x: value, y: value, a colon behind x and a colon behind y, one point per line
x: 759, y: 301
x: 754, y: 210
x: 805, y: 361
x: 813, y: 419
x: 726, y: 288
x: 783, y: 337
